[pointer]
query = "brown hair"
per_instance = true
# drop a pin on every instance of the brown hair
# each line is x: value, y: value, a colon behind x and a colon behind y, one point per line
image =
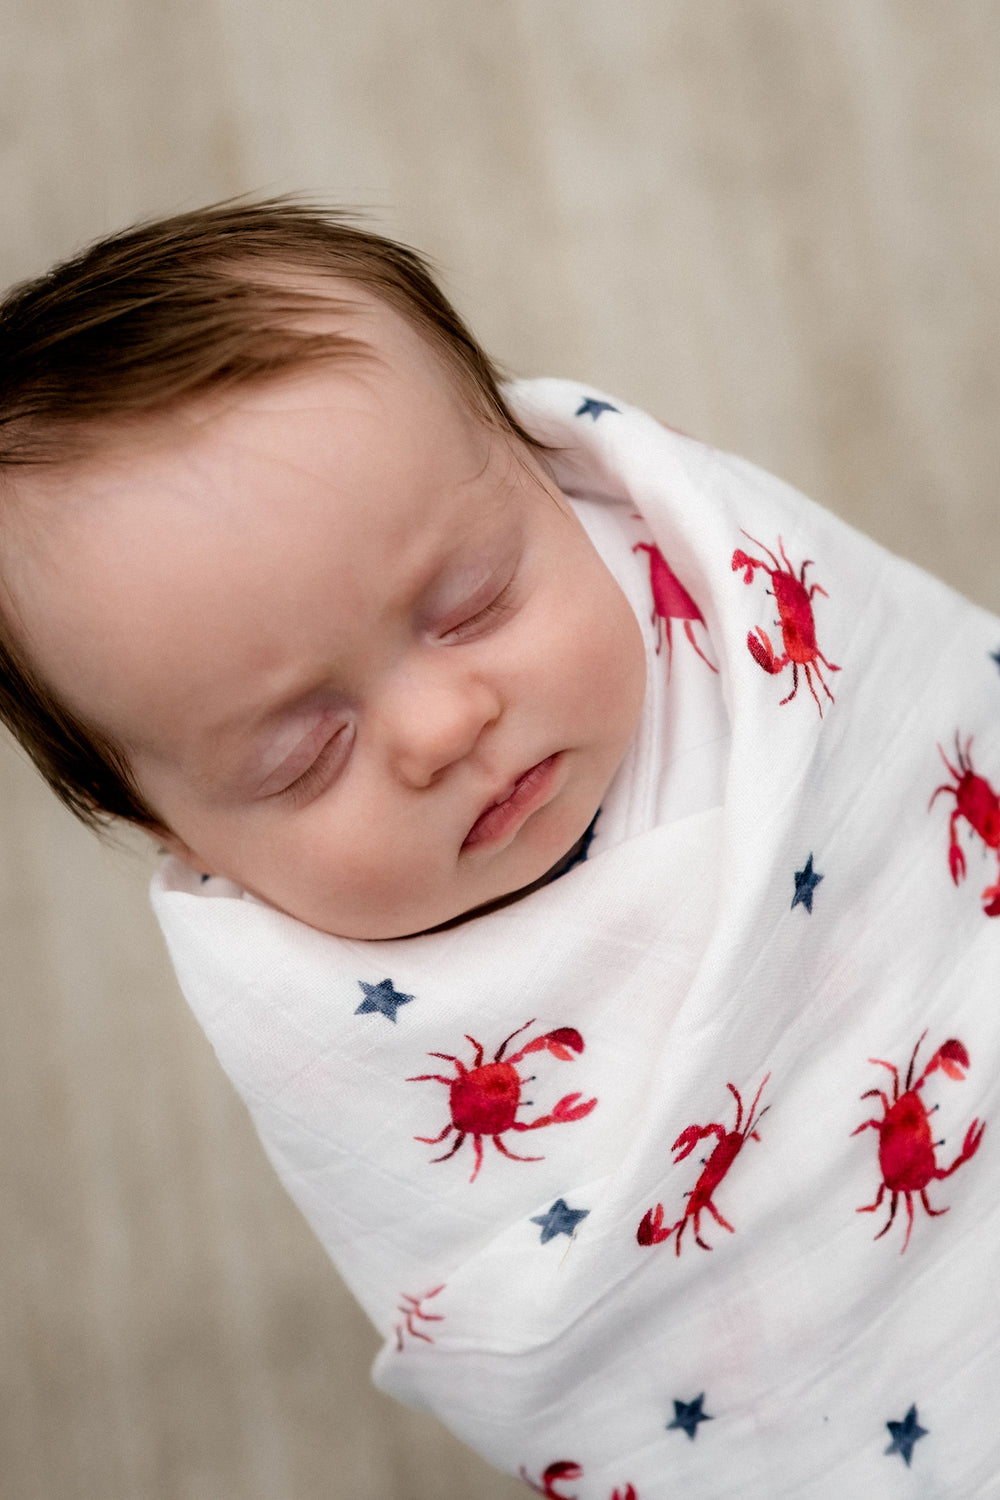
x: 154, y: 316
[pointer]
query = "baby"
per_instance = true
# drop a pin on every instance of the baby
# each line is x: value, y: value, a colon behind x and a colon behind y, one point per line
x: 490, y: 723
x: 319, y: 672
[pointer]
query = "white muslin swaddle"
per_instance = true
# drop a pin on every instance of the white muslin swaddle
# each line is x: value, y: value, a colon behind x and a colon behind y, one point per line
x: 681, y: 1175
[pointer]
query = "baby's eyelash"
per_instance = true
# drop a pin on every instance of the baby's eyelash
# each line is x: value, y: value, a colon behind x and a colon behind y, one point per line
x: 317, y: 775
x: 497, y: 606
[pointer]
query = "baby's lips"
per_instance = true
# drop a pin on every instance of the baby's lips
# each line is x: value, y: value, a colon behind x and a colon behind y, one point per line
x: 501, y: 815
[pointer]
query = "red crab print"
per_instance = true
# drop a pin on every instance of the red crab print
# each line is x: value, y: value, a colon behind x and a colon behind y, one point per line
x: 412, y: 1308
x: 979, y: 805
x: 905, y: 1147
x: 729, y: 1144
x: 671, y: 601
x: 486, y: 1097
x: 565, y: 1469
x: 795, y: 616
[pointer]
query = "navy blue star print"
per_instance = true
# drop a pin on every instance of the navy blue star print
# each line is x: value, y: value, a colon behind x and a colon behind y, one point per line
x: 591, y: 407
x: 687, y: 1415
x: 806, y: 882
x: 905, y: 1435
x: 995, y: 656
x: 560, y: 1219
x: 381, y: 997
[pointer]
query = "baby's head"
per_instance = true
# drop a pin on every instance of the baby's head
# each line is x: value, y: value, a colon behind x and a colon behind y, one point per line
x: 283, y: 581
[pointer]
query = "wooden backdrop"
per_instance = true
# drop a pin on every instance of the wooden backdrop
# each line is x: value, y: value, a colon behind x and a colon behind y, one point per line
x: 776, y: 225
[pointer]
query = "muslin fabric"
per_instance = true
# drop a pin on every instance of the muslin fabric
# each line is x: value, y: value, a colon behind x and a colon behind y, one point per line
x: 680, y: 1175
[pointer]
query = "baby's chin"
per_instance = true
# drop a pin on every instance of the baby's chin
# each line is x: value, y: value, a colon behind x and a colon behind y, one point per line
x: 392, y: 927
x: 575, y: 855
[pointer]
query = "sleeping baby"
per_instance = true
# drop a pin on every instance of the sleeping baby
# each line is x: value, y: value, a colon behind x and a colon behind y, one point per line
x: 580, y: 850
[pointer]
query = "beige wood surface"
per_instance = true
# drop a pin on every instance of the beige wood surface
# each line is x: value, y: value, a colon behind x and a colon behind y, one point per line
x: 774, y: 224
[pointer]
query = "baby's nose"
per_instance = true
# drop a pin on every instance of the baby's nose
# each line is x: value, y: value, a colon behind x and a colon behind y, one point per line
x: 435, y: 719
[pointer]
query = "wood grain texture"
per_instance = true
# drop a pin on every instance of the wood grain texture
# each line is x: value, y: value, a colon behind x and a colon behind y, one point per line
x: 776, y: 226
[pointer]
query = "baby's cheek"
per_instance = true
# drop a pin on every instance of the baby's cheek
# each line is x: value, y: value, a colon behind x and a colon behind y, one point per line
x: 611, y: 655
x: 387, y: 878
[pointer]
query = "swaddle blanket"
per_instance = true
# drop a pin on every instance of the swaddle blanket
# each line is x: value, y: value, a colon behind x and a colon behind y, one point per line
x: 679, y: 1177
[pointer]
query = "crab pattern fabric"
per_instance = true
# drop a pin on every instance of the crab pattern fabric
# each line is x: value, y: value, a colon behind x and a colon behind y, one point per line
x: 684, y: 1166
x: 484, y: 1099
x: 670, y: 601
x: 906, y: 1147
x: 979, y: 805
x: 793, y: 598
x: 728, y: 1145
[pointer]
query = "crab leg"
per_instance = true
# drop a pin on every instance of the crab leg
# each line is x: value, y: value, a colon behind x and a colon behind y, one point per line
x: 718, y: 1217
x: 892, y: 1213
x: 909, y: 1215
x: 459, y: 1139
x: 498, y: 1143
x: 935, y: 1213
x: 869, y: 1208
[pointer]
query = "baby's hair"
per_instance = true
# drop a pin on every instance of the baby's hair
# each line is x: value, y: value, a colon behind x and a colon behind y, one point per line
x: 155, y: 316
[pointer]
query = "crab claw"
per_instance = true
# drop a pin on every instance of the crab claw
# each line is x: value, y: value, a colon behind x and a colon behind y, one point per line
x: 970, y: 1146
x: 628, y: 1493
x: 973, y: 1136
x: 686, y: 1142
x: 562, y: 1469
x: 741, y: 560
x: 568, y: 1110
x: 562, y: 1043
x: 952, y: 1057
x: 956, y: 863
x: 563, y: 1113
x: 992, y: 899
x: 651, y: 1230
x: 763, y: 652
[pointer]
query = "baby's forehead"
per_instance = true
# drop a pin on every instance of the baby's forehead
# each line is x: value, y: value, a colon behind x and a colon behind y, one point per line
x: 377, y: 418
x: 328, y: 322
x: 376, y: 413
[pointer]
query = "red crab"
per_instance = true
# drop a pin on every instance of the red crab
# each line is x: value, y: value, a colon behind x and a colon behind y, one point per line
x: 979, y: 805
x: 566, y: 1469
x: 729, y: 1144
x: 905, y: 1148
x: 486, y: 1097
x: 795, y: 616
x: 671, y: 601
x: 412, y: 1308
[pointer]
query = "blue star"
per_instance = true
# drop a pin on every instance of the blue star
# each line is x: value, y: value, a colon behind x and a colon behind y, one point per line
x: 806, y: 882
x: 995, y: 656
x: 905, y: 1435
x: 687, y: 1415
x: 560, y: 1219
x: 381, y: 997
x: 591, y: 407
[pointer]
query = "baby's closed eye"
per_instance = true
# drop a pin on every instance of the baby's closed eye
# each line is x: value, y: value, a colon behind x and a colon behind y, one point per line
x: 323, y: 769
x: 484, y: 615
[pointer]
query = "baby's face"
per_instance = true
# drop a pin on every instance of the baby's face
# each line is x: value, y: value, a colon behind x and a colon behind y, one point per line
x: 360, y: 654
